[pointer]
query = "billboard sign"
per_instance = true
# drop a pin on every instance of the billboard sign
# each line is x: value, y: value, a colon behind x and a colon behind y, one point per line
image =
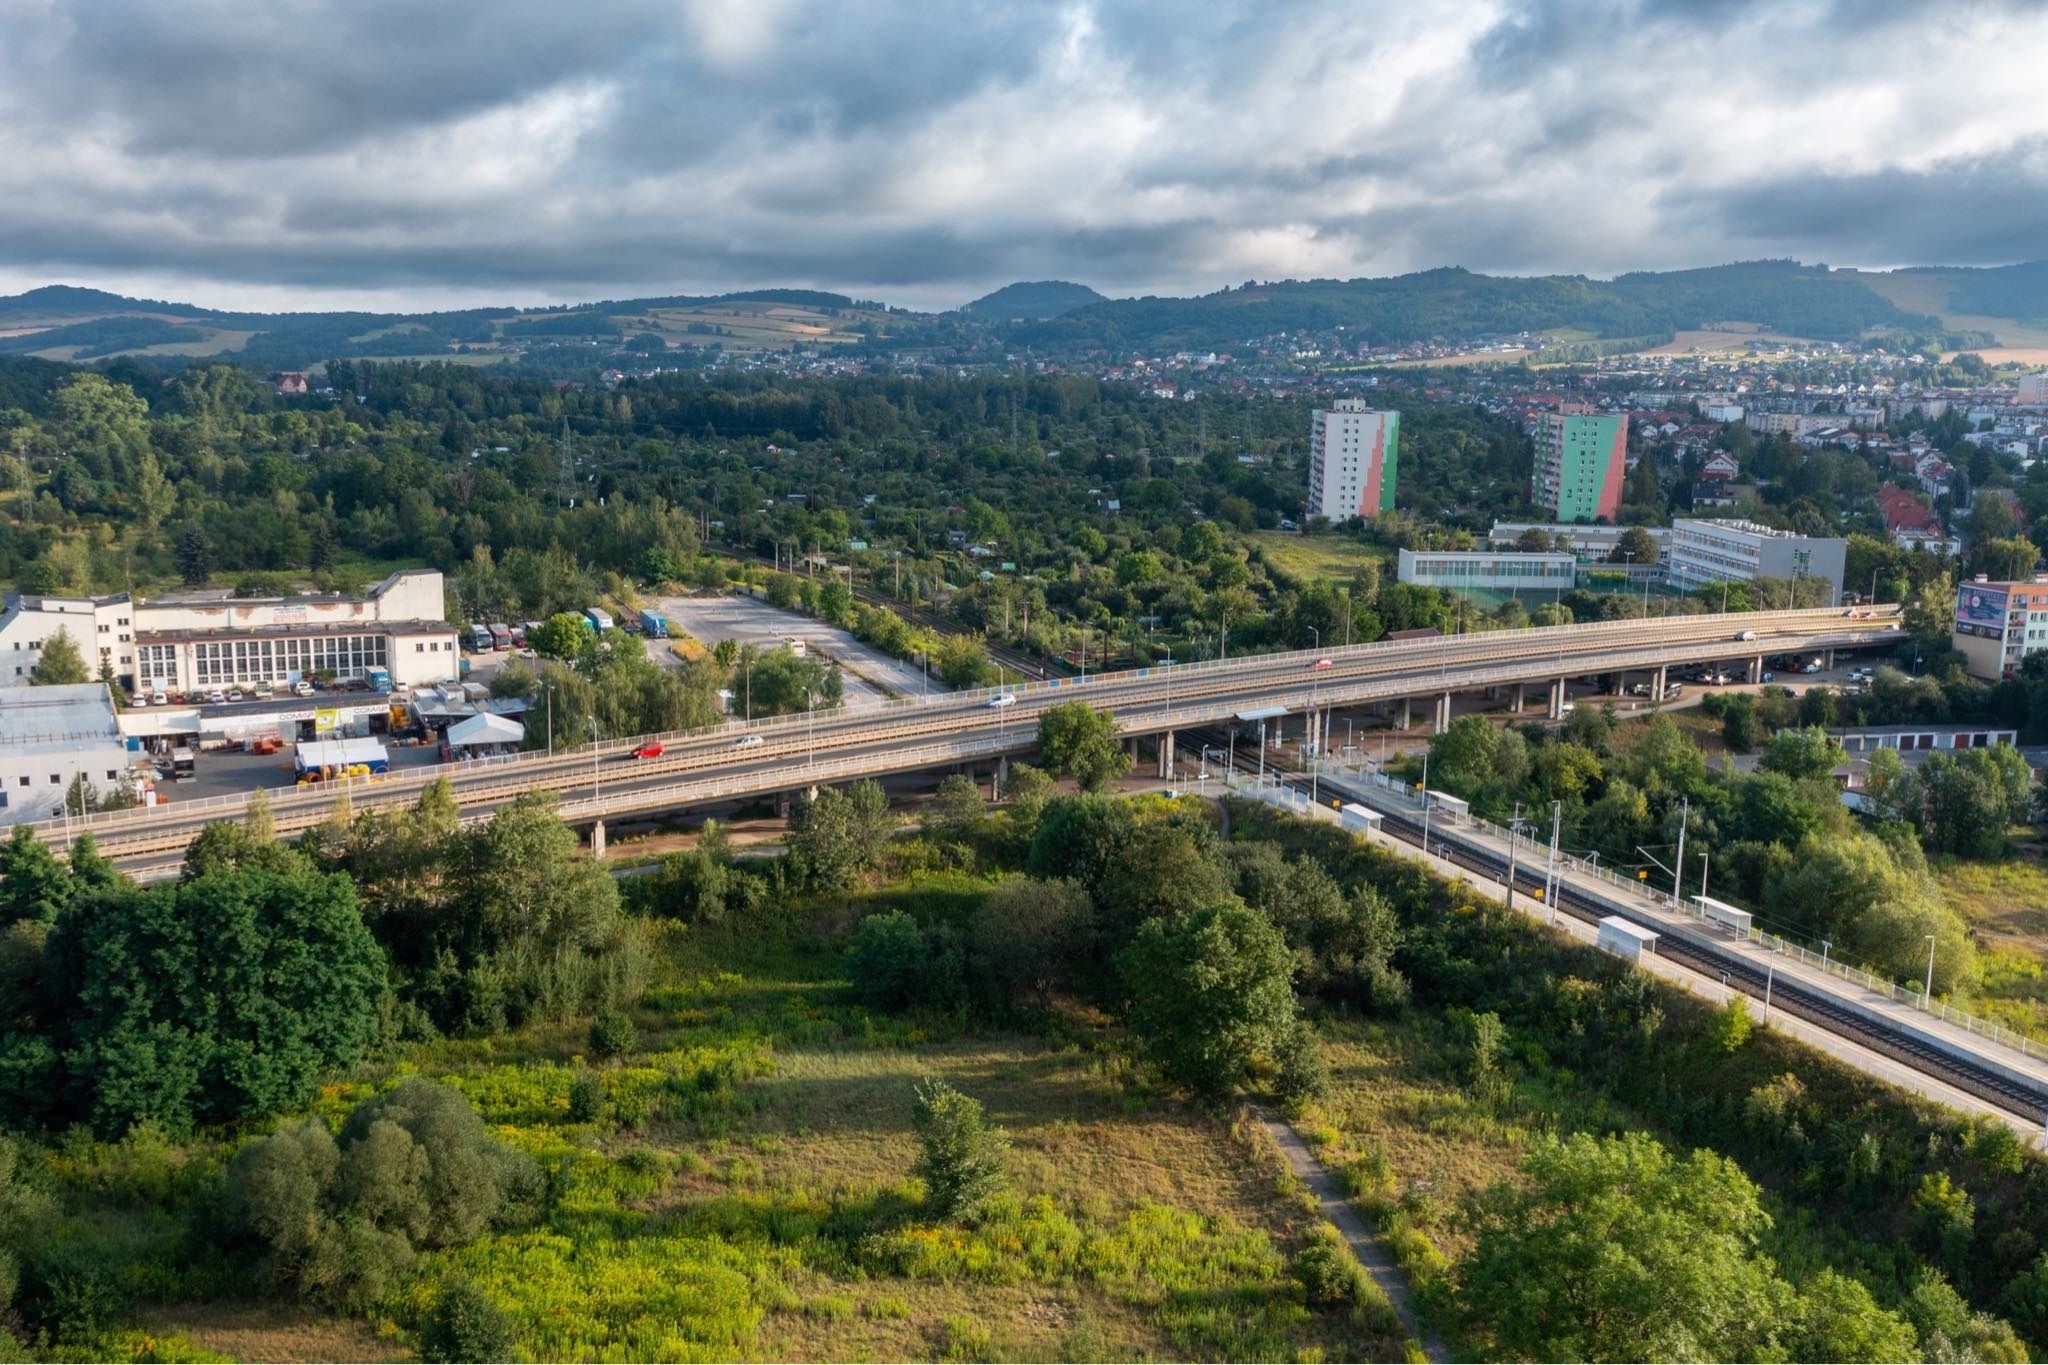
x: 1980, y: 610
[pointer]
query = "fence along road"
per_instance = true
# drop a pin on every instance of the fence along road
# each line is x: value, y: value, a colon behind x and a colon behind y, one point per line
x: 799, y: 750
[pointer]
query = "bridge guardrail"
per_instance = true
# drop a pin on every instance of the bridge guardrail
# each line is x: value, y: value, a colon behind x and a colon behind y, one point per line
x: 59, y: 831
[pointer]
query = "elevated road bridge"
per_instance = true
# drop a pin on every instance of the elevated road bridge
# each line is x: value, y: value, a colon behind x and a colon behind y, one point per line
x: 792, y: 753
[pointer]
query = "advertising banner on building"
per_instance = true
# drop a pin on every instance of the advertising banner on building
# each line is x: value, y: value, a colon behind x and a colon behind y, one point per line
x: 1980, y: 610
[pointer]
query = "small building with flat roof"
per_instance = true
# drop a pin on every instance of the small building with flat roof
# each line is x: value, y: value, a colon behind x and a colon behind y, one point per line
x: 1626, y: 939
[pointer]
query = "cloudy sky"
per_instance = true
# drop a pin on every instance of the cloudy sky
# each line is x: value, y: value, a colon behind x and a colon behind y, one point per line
x: 295, y: 153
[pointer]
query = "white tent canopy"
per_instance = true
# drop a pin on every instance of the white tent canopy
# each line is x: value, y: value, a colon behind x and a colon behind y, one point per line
x: 485, y: 729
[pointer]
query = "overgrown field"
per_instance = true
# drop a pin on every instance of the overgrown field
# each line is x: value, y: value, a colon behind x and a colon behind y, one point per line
x: 744, y: 1190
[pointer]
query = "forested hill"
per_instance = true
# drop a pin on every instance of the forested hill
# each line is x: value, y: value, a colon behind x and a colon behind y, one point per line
x: 1784, y: 296
x: 1039, y: 299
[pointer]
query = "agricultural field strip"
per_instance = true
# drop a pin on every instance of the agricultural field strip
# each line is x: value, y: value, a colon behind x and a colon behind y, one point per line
x: 1146, y: 700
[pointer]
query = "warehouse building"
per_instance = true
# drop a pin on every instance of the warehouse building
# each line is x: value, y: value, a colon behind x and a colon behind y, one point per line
x: 49, y: 737
x: 196, y: 641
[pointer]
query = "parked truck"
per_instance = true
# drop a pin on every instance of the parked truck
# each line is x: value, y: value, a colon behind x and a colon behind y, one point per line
x: 598, y: 619
x: 501, y: 637
x: 380, y: 679
x: 653, y: 624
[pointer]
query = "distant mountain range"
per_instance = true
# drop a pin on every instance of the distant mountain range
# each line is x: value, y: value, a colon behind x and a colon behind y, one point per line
x: 1981, y: 308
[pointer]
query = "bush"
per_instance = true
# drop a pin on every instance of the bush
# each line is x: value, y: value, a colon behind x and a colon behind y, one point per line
x: 586, y: 1097
x: 464, y: 1326
x: 962, y: 1164
x: 1732, y: 1026
x: 612, y: 1034
x: 895, y: 965
x: 1331, y: 1277
x: 340, y: 1220
x: 1302, y: 1075
x: 71, y: 1293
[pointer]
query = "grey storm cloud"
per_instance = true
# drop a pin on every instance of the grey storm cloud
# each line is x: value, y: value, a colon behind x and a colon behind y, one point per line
x: 659, y: 146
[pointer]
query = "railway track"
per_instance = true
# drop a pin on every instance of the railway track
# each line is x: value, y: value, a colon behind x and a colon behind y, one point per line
x: 2029, y: 1103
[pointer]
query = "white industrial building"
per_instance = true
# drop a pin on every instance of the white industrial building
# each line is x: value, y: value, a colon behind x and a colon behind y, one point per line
x: 48, y: 737
x: 1488, y: 570
x: 190, y: 642
x: 99, y: 626
x: 1710, y: 550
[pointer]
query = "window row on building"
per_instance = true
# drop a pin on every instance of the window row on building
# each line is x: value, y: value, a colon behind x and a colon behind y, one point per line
x: 216, y: 662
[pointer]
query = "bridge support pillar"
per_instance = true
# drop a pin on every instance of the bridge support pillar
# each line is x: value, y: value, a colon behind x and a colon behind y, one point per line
x: 1658, y: 686
x: 1443, y: 714
x: 1830, y: 660
x: 1756, y: 669
x: 1521, y: 698
x: 783, y: 802
x: 1557, y: 700
x: 1407, y: 713
x: 597, y: 840
x: 1621, y: 684
x: 1166, y: 755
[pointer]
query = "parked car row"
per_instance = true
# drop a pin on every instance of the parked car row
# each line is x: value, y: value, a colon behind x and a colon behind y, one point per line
x: 217, y: 696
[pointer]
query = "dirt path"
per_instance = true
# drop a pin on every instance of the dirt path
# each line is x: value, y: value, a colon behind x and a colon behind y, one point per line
x: 1335, y: 1207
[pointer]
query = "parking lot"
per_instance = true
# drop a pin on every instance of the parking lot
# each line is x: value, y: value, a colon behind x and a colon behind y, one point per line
x: 752, y: 621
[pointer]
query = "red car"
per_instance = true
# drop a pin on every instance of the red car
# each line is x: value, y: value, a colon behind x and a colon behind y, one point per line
x: 1321, y: 663
x: 651, y: 749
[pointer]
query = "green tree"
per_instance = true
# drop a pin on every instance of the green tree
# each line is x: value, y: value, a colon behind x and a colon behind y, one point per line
x: 565, y: 636
x: 962, y: 662
x: 1611, y: 1249
x: 1803, y: 754
x: 836, y: 835
x: 1028, y: 937
x: 61, y: 663
x: 960, y: 1152
x: 1026, y: 791
x: 195, y: 555
x: 957, y: 805
x: 1739, y: 723
x: 1077, y: 741
x: 1209, y: 995
x: 214, y: 999
x: 1635, y: 545
x: 35, y: 885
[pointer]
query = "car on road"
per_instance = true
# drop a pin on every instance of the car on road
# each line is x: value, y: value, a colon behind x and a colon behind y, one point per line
x: 1322, y: 663
x: 653, y: 748
x: 139, y: 699
x: 235, y: 694
x: 216, y: 697
x: 302, y: 688
x: 1810, y: 666
x: 1673, y: 690
x: 747, y: 742
x: 264, y: 691
x: 1002, y: 699
x: 1745, y: 635
x: 1770, y: 677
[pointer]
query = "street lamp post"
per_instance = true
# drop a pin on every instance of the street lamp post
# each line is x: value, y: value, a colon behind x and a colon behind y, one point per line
x: 1927, y: 992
